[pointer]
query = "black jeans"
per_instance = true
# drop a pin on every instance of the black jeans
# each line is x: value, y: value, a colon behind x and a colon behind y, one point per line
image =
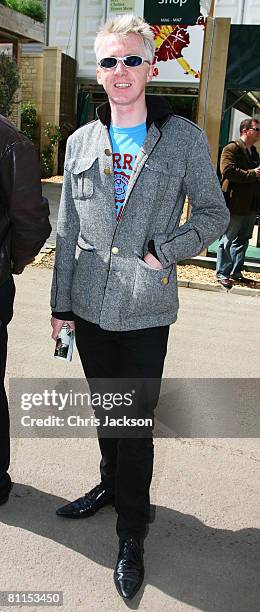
x: 127, y: 464
x: 7, y: 292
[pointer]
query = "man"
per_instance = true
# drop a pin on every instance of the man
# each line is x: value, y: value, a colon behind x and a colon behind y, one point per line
x: 125, y: 181
x: 24, y: 227
x: 239, y: 165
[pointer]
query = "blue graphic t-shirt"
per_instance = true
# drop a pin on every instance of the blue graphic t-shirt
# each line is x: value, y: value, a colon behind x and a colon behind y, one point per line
x: 126, y: 143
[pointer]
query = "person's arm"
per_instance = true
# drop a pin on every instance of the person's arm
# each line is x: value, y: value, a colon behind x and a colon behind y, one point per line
x: 27, y: 209
x: 230, y: 170
x: 67, y: 236
x: 209, y: 214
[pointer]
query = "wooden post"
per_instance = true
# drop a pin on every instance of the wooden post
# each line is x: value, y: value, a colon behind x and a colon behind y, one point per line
x: 212, y: 8
x: 212, y: 82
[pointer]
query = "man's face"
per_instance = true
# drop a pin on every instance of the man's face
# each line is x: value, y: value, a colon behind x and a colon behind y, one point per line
x: 124, y: 86
x: 252, y: 134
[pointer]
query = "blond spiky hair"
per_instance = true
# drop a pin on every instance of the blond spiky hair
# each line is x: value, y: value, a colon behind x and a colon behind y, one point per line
x: 127, y: 24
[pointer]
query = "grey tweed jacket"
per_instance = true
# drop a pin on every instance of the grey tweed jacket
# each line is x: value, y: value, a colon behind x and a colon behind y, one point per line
x: 99, y: 271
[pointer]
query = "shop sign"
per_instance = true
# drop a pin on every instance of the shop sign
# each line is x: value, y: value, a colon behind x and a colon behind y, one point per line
x: 167, y: 12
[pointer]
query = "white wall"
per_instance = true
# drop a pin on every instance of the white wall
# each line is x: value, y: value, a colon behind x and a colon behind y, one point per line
x: 62, y: 25
x: 73, y: 27
x: 241, y: 11
x: 91, y: 15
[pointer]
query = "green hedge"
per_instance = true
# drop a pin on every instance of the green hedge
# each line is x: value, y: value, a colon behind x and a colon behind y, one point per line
x: 31, y: 8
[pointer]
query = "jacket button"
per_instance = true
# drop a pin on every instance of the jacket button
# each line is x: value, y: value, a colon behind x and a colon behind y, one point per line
x: 107, y: 171
x: 108, y: 152
x: 115, y: 250
x: 164, y: 280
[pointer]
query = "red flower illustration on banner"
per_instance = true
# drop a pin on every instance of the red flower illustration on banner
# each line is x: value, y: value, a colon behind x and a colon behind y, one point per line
x: 170, y: 41
x: 169, y: 44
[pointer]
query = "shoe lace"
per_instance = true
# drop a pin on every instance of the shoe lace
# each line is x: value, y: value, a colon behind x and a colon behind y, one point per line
x: 129, y: 553
x: 93, y: 492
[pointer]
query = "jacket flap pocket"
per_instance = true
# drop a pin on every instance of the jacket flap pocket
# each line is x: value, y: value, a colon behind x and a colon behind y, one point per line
x: 77, y: 166
x: 82, y: 178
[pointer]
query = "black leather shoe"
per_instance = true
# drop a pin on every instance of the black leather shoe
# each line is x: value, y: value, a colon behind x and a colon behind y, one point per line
x: 88, y: 504
x: 243, y: 280
x: 5, y: 490
x: 129, y: 571
x: 225, y: 282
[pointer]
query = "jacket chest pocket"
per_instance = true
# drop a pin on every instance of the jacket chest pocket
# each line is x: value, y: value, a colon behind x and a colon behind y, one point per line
x: 82, y: 178
x: 162, y: 175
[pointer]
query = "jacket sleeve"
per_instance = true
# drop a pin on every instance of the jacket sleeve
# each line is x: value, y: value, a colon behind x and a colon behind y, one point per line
x: 67, y: 235
x: 27, y: 209
x: 209, y: 214
x: 229, y: 167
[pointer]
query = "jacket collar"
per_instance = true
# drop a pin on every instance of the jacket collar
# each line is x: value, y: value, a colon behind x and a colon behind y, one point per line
x: 240, y: 143
x: 158, y: 111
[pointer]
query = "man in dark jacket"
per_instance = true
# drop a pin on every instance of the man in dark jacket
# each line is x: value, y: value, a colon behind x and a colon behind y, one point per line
x: 240, y: 171
x: 24, y: 227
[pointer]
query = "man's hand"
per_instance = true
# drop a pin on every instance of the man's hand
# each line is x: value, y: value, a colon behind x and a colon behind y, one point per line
x: 257, y: 171
x: 57, y: 325
x: 152, y: 261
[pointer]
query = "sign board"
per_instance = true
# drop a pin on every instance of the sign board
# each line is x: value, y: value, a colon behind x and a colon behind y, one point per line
x: 167, y: 12
x: 121, y: 6
x: 178, y: 53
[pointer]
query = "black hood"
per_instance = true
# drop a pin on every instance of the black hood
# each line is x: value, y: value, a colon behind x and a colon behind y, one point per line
x: 158, y: 110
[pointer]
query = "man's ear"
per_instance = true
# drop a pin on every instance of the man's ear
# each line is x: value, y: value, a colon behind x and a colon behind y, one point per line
x: 150, y: 73
x: 98, y: 73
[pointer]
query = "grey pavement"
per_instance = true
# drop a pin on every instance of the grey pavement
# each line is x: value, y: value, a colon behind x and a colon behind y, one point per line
x: 202, y: 551
x: 52, y: 191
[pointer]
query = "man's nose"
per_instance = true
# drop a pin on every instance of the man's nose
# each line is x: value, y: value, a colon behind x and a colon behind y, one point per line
x: 120, y: 67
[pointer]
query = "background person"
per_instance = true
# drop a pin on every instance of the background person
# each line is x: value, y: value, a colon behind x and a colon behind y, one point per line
x: 239, y: 166
x: 24, y: 227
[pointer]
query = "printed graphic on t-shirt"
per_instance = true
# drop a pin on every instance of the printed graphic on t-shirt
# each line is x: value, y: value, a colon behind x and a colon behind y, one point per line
x: 121, y: 184
x: 126, y: 143
x: 123, y: 166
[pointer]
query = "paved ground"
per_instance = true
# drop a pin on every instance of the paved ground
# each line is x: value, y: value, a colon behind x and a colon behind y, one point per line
x: 52, y: 191
x: 202, y: 552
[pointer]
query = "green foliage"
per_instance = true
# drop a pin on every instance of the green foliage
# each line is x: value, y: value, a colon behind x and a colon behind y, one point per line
x: 12, y: 4
x: 53, y: 133
x: 9, y: 83
x: 29, y: 121
x: 31, y: 8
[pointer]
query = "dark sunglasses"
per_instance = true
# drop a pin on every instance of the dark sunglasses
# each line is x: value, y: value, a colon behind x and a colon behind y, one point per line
x: 255, y: 129
x: 130, y: 61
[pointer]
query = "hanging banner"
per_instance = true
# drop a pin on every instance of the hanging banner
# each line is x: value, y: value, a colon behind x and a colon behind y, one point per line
x: 121, y: 6
x: 178, y: 53
x: 167, y: 12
